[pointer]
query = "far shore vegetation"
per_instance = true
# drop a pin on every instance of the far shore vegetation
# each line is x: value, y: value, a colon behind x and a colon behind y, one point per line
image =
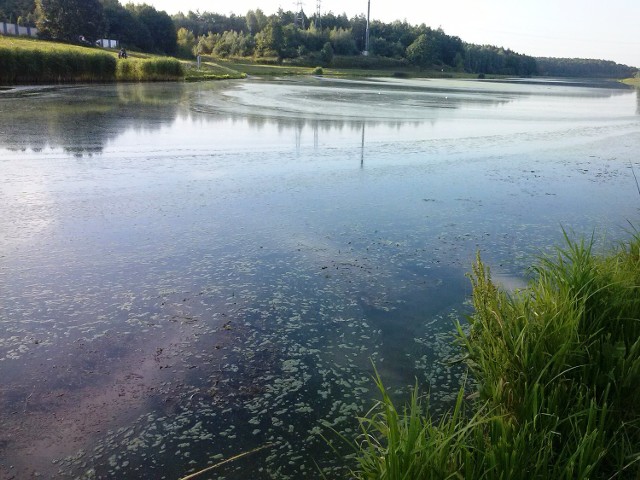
x: 33, y: 61
x: 234, y: 46
x: 556, y: 382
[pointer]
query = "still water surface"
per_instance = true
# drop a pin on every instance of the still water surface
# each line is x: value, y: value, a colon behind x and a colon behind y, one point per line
x: 188, y: 272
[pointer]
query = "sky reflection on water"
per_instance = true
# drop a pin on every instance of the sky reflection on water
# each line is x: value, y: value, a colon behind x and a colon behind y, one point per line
x: 190, y: 271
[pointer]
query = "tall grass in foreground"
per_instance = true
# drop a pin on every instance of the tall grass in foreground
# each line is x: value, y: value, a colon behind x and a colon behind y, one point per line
x: 558, y: 372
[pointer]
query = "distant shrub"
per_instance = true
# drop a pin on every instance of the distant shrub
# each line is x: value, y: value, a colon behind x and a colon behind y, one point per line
x: 126, y: 70
x: 152, y: 70
x: 318, y: 71
x: 161, y: 69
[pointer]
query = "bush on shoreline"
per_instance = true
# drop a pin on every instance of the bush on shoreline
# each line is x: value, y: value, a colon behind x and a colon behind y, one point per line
x: 558, y: 381
x: 151, y: 70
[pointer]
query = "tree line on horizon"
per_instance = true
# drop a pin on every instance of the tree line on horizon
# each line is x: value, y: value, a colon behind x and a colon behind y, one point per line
x: 286, y: 36
x: 319, y: 40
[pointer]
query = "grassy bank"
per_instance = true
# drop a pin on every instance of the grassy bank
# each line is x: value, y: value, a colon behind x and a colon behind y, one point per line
x: 25, y: 61
x: 342, y: 67
x: 210, y: 69
x: 557, y: 368
x: 634, y: 82
x: 29, y: 61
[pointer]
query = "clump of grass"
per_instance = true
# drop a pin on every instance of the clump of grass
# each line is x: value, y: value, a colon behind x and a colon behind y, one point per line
x: 149, y: 70
x: 318, y: 71
x: 412, y: 444
x: 558, y: 375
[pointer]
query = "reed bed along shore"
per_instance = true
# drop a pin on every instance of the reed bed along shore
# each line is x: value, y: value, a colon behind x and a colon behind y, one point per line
x: 28, y: 61
x: 556, y: 390
x: 149, y: 70
x: 23, y: 66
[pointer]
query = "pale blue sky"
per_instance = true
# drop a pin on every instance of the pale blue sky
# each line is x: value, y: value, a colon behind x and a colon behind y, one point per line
x: 562, y: 28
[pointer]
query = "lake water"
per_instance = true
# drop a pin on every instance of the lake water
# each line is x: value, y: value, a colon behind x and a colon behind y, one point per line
x: 188, y: 272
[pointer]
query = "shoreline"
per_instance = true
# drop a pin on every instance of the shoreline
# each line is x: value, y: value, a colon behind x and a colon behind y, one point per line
x: 26, y: 62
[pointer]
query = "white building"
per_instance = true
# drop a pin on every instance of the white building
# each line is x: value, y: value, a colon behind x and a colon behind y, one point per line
x: 107, y: 43
x: 14, y: 29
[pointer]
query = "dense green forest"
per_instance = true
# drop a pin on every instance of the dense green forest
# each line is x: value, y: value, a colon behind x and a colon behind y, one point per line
x: 18, y: 11
x: 319, y: 40
x: 287, y: 36
x: 140, y: 27
x: 579, y: 67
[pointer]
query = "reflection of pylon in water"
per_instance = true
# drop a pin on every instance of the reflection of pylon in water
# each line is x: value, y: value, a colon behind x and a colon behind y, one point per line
x: 298, y: 133
x: 318, y: 19
x: 362, y: 147
x: 298, y: 19
x: 315, y: 135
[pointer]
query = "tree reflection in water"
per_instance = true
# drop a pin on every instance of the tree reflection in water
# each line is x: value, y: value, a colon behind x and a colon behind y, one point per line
x: 82, y: 119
